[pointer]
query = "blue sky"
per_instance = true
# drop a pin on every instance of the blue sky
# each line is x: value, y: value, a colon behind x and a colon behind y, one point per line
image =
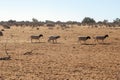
x: 63, y: 10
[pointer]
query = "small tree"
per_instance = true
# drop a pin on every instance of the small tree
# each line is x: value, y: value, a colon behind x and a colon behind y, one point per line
x: 49, y: 21
x: 88, y: 20
x: 117, y: 20
x: 35, y: 20
x: 105, y: 21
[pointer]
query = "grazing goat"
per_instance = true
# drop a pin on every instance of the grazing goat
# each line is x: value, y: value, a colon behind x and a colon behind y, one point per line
x: 83, y: 38
x: 53, y: 38
x: 100, y: 38
x: 36, y: 37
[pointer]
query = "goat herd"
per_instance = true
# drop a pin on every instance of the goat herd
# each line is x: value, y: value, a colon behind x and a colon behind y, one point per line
x: 55, y: 37
x: 80, y: 38
x: 51, y: 38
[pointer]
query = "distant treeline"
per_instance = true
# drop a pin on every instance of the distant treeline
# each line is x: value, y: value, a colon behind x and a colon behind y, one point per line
x: 87, y: 21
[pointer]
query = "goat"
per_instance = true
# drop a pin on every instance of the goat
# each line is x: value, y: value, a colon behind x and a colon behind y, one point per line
x: 100, y: 38
x: 83, y: 38
x: 36, y: 37
x: 53, y: 38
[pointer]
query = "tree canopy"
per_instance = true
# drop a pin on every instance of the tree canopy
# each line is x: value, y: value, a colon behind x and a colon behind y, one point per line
x: 88, y: 20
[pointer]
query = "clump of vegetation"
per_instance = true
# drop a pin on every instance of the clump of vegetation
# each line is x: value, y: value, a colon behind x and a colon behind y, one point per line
x: 6, y: 26
x: 8, y: 57
x: 1, y: 33
x: 28, y: 52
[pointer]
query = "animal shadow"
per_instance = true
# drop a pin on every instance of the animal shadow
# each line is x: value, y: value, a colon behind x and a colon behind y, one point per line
x: 37, y: 42
x: 87, y: 44
x: 105, y: 43
x: 57, y: 43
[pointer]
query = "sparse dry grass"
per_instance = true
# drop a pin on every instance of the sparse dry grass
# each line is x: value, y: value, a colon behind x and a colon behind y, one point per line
x: 67, y: 60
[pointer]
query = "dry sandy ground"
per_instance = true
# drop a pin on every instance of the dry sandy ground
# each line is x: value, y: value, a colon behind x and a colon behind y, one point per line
x: 66, y: 60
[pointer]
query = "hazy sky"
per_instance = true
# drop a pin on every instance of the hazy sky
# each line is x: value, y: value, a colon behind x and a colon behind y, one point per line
x: 63, y: 10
